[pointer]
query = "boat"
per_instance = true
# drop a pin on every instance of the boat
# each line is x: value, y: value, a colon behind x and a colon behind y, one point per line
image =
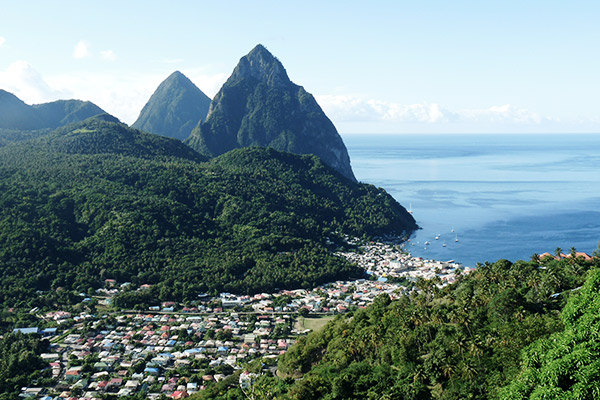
x: 437, y: 237
x: 426, y: 243
x: 456, y: 240
x: 410, y: 208
x: 452, y: 230
x: 444, y: 245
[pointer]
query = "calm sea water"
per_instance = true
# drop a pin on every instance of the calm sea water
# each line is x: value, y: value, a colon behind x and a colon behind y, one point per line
x: 504, y: 196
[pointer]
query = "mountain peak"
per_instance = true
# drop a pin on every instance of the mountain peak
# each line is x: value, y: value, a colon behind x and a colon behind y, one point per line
x: 177, y: 76
x: 174, y: 109
x: 260, y: 64
x: 260, y: 106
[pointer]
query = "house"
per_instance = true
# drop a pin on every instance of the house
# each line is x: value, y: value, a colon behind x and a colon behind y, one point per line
x: 73, y: 374
x: 32, y: 392
x: 132, y: 384
x: 27, y: 331
x: 101, y: 366
x: 48, y: 332
x: 246, y: 379
x: 114, y: 383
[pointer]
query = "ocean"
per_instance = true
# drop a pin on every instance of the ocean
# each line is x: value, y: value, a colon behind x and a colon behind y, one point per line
x: 488, y: 197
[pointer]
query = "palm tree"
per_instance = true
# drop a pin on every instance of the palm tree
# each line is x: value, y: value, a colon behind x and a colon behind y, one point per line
x: 558, y: 253
x: 448, y: 370
x: 468, y: 371
x: 573, y: 253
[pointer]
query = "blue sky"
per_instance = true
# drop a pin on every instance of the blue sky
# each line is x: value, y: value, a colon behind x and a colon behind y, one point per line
x: 380, y: 66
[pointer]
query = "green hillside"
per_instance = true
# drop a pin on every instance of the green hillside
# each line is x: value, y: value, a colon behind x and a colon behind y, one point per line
x: 464, y: 341
x: 98, y: 200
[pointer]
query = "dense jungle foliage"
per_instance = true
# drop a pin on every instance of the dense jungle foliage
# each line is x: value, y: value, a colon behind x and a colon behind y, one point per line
x: 463, y: 341
x: 97, y: 200
x: 20, y: 363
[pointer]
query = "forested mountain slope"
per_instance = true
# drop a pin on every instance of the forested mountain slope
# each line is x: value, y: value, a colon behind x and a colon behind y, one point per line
x: 97, y: 200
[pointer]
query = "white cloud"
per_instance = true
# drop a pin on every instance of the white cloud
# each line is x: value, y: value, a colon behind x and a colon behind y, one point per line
x: 81, y: 50
x: 427, y: 113
x: 2, y: 41
x: 21, y: 79
x: 124, y: 95
x: 108, y: 55
x: 352, y: 108
x: 345, y: 108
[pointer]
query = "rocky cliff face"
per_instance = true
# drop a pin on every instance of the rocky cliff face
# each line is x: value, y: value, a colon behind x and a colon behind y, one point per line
x: 260, y: 106
x: 174, y: 109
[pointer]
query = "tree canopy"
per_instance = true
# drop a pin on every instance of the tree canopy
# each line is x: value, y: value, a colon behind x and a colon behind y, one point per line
x: 97, y: 200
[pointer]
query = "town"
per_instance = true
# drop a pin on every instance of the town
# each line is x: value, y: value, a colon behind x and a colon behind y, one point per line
x: 172, y: 350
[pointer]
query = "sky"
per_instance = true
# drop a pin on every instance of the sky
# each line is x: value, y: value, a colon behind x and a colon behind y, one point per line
x: 381, y: 66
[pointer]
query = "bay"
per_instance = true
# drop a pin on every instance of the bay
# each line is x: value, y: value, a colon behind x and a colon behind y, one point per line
x: 503, y: 196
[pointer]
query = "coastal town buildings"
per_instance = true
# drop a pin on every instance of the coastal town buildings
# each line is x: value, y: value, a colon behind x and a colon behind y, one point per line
x: 176, y: 350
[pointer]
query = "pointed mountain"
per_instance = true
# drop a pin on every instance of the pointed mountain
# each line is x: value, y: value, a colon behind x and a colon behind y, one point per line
x: 15, y: 114
x: 174, y: 109
x: 260, y: 106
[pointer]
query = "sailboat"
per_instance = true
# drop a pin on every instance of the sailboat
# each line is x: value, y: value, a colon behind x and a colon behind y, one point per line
x: 456, y: 240
x: 410, y: 208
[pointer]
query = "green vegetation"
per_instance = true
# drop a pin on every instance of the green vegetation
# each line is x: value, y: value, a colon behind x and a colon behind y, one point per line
x: 97, y: 200
x: 260, y: 106
x: 174, y: 109
x: 8, y: 136
x: 567, y: 364
x: 20, y: 363
x: 463, y: 341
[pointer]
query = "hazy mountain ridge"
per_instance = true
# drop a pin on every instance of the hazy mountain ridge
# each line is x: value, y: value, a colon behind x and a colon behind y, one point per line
x: 15, y: 114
